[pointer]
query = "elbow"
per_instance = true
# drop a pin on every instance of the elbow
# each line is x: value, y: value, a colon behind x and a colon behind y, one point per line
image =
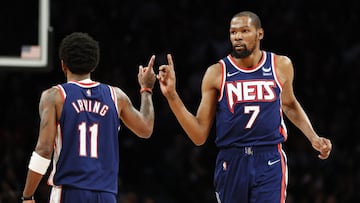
x: 44, y: 151
x: 146, y: 133
x: 198, y: 137
x: 144, y: 129
x: 198, y: 141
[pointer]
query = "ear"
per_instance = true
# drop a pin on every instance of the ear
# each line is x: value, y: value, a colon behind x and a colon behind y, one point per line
x: 63, y: 66
x: 260, y: 33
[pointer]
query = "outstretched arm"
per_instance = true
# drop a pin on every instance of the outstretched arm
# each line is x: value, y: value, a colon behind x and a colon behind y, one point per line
x: 197, y: 127
x: 141, y: 122
x: 293, y: 110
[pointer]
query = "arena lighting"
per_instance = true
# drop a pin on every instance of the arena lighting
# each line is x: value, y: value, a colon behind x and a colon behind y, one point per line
x: 33, y: 56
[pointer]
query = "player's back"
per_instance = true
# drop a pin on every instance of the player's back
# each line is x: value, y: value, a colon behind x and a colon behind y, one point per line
x: 86, y: 154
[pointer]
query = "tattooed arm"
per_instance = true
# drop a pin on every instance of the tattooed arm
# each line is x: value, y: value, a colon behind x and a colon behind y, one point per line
x: 140, y: 122
x: 49, y: 108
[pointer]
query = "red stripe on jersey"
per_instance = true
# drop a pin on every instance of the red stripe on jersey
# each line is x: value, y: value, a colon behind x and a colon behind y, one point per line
x: 62, y: 92
x: 283, y: 132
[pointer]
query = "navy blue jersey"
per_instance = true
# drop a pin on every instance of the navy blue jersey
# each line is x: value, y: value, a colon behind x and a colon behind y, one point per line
x: 249, y: 107
x: 86, y: 154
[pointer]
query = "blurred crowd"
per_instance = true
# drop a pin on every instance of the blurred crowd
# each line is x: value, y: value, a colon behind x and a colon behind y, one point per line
x: 318, y: 36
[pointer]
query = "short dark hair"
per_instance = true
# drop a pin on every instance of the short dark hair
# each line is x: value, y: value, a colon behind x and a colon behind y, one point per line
x: 80, y: 52
x: 255, y: 18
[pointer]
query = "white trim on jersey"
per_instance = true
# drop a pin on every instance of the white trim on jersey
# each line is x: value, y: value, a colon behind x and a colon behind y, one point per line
x: 286, y: 172
x: 254, y: 68
x: 223, y: 77
x: 274, y: 71
x: 85, y: 84
x: 113, y: 96
x: 55, y: 195
x: 57, y: 151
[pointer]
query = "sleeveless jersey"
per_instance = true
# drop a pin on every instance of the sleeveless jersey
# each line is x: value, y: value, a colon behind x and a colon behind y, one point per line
x: 249, y: 107
x: 86, y: 154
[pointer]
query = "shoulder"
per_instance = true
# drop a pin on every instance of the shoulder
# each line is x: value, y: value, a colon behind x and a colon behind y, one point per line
x: 51, y: 97
x: 214, y: 70
x: 51, y: 93
x: 284, y: 68
x: 213, y: 75
x: 282, y: 60
x: 121, y: 96
x: 118, y: 91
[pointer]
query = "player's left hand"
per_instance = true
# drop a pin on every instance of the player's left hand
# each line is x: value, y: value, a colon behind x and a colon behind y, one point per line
x: 323, y: 146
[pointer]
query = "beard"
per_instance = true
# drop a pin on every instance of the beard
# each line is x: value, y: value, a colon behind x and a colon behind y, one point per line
x: 243, y: 53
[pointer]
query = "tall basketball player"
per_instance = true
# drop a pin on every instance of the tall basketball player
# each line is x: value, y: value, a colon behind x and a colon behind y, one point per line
x: 79, y: 126
x: 248, y: 91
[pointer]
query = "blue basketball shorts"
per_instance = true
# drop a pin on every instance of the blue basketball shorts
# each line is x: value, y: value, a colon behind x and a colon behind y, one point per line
x: 74, y: 195
x: 251, y: 175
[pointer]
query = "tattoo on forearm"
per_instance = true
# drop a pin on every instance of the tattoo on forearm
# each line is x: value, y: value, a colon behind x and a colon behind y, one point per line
x: 146, y: 106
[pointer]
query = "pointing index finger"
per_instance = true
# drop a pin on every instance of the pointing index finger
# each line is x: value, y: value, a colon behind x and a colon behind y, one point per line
x: 170, y: 61
x: 151, y: 62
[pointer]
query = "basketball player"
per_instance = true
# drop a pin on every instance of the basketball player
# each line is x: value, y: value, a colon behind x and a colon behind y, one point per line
x: 79, y: 126
x: 248, y: 91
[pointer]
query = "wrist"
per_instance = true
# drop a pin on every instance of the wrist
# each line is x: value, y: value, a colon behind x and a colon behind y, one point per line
x: 146, y: 89
x: 313, y: 139
x: 26, y: 198
x: 171, y: 96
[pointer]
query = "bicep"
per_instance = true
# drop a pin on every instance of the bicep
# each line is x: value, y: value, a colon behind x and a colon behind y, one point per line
x: 127, y: 112
x: 209, y: 94
x: 286, y: 76
x: 48, y: 122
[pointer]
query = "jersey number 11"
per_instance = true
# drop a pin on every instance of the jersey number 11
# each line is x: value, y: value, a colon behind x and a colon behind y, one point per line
x: 93, y: 129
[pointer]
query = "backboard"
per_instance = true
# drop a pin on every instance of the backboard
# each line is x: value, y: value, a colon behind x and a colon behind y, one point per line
x: 24, y: 38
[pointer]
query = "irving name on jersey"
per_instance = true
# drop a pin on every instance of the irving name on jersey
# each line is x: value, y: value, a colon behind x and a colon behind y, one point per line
x: 90, y: 106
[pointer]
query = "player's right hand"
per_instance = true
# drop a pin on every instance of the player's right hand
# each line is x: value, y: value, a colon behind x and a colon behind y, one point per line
x: 167, y: 78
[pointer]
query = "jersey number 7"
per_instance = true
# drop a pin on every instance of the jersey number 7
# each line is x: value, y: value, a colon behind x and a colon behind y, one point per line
x: 254, y: 110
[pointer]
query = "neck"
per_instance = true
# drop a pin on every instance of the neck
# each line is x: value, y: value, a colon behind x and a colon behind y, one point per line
x: 250, y: 61
x: 76, y: 77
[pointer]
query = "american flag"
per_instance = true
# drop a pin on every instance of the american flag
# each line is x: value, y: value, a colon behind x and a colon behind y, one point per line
x: 30, y: 52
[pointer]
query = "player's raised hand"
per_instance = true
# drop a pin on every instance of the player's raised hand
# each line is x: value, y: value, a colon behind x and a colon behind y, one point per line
x: 146, y: 75
x: 167, y: 78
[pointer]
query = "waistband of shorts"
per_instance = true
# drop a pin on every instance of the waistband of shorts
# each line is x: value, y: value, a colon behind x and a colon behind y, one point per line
x: 251, y: 150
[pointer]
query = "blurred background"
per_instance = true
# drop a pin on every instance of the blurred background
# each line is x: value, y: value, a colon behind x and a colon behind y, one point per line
x: 319, y: 36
